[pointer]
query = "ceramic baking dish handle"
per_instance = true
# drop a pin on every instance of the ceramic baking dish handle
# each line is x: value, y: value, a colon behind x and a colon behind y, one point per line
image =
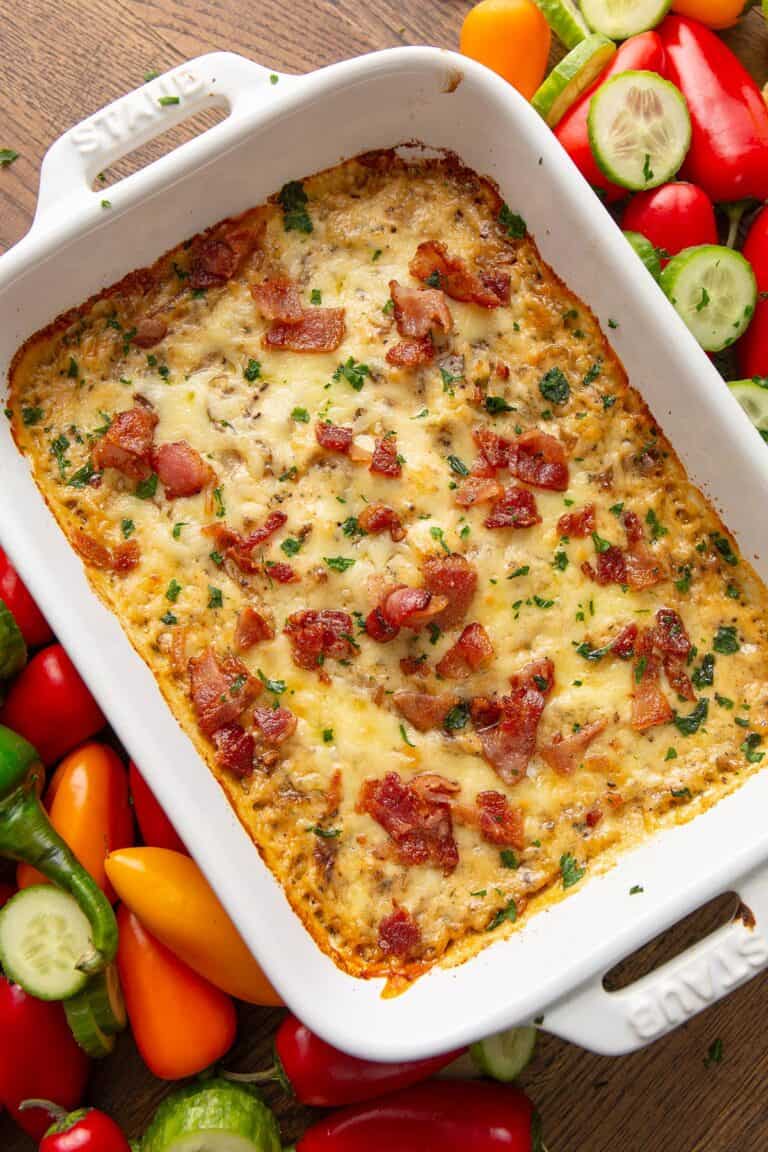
x: 217, y: 80
x: 616, y: 1022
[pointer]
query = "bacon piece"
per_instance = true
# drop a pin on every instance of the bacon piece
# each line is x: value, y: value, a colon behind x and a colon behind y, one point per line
x: 642, y: 570
x: 507, y: 727
x: 379, y: 628
x: 221, y: 688
x: 181, y: 469
x: 472, y: 649
x: 633, y: 528
x: 516, y: 509
x: 334, y: 794
x: 252, y: 628
x: 234, y: 749
x: 678, y: 678
x: 318, y: 330
x: 315, y: 636
x: 334, y: 437
x: 432, y: 784
x: 278, y: 299
x: 127, y: 443
x: 399, y: 934
x: 423, y: 710
x: 283, y: 573
x: 578, y: 523
x: 376, y: 518
x: 593, y: 817
x: 498, y: 283
x: 563, y: 753
x: 421, y: 827
x: 384, y: 459
x: 122, y: 558
x: 454, y: 578
x: 432, y: 264
x: 495, y: 450
x: 611, y: 567
x: 411, y: 353
x: 216, y: 257
x: 539, y: 459
x: 649, y: 704
x: 150, y: 330
x: 240, y: 548
x: 477, y: 490
x: 406, y: 607
x: 499, y: 822
x: 274, y: 724
x: 411, y: 666
x: 669, y: 634
x: 418, y: 310
x: 179, y: 652
x: 623, y: 644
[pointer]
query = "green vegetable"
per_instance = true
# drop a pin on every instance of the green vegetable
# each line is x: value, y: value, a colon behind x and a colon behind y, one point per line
x: 624, y: 18
x: 43, y: 935
x: 753, y: 397
x: 505, y: 1055
x: 714, y: 290
x: 13, y: 650
x: 213, y: 1116
x: 565, y: 20
x: 646, y: 251
x: 572, y: 76
x: 85, y: 1028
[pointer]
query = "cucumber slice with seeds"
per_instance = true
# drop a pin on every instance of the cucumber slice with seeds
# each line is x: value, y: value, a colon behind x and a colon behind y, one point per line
x: 572, y: 76
x: 646, y: 251
x: 565, y: 20
x: 753, y: 397
x: 93, y: 1040
x: 43, y: 935
x: 639, y: 129
x: 504, y: 1055
x: 621, y: 19
x: 713, y: 288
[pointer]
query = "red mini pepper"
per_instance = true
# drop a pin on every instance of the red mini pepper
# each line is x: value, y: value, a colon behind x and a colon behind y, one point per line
x: 675, y: 216
x: 752, y: 349
x: 156, y: 829
x: 87, y: 1130
x: 13, y: 592
x: 644, y: 52
x: 38, y: 1058
x: 320, y: 1075
x: 436, y: 1116
x: 728, y: 156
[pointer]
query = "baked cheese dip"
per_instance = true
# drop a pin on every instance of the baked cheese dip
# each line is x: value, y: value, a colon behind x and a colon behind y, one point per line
x: 413, y: 565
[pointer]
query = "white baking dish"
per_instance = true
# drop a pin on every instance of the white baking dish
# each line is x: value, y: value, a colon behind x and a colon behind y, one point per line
x: 282, y: 130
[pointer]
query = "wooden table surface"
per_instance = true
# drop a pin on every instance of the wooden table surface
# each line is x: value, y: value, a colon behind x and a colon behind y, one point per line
x: 62, y: 61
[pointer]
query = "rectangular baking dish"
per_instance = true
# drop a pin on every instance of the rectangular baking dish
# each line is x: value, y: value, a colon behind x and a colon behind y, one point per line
x: 285, y: 127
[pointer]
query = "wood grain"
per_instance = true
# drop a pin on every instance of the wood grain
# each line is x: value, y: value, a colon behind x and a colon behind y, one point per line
x: 62, y: 61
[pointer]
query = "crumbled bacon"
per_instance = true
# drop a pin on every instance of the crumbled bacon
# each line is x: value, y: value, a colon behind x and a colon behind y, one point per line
x: 384, y: 459
x: 414, y: 666
x: 274, y: 724
x: 122, y: 558
x: 418, y: 310
x: 127, y: 443
x: 500, y: 823
x: 434, y: 786
x: 399, y: 934
x: 495, y: 450
x: 240, y: 549
x: 283, y: 573
x: 318, y: 330
x: 278, y: 299
x: 376, y: 518
x: 334, y: 437
x: 678, y: 678
x: 649, y: 704
x: 216, y: 257
x: 623, y: 644
x: 252, y: 628
x: 234, y: 749
x: 669, y: 634
x: 379, y: 628
x: 181, y: 469
x: 421, y: 827
x: 578, y: 523
x: 433, y: 265
x: 411, y: 353
x: 454, y: 578
x: 477, y: 490
x: 507, y: 727
x: 611, y: 567
x: 643, y: 571
x: 221, y: 688
x: 637, y: 567
x: 406, y: 607
x: 150, y: 330
x: 563, y: 753
x: 472, y: 649
x: 593, y: 817
x: 516, y: 509
x: 423, y: 710
x: 539, y: 459
x: 315, y: 636
x: 633, y: 528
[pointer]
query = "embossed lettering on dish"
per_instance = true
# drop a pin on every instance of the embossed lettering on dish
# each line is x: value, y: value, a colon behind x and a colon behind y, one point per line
x: 134, y: 112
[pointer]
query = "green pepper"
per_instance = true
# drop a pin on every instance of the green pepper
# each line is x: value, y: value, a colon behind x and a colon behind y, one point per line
x: 26, y: 834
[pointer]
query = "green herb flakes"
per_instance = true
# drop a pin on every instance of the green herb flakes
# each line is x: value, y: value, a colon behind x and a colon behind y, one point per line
x: 353, y: 372
x: 506, y: 914
x: 293, y: 200
x: 145, y: 489
x: 339, y: 563
x: 300, y: 415
x: 215, y: 597
x: 570, y: 870
x: 252, y: 370
x: 726, y: 640
x: 688, y: 725
x: 512, y: 223
x: 554, y: 386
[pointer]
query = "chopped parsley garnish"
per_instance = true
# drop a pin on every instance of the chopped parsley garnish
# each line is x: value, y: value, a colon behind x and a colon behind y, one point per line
x: 507, y: 913
x: 554, y: 386
x: 617, y: 509
x: 339, y: 563
x: 166, y: 101
x: 750, y: 746
x: 106, y: 203
x: 293, y: 200
x: 512, y: 223
x: 723, y: 546
x: 560, y: 561
x: 732, y: 591
x: 325, y: 833
x: 593, y: 653
x: 290, y: 546
x: 404, y: 735
x: 7, y: 157
x: 522, y: 571
x: 704, y: 675
x: 216, y: 557
x: 376, y: 254
x: 351, y: 527
x: 72, y: 369
x: 434, y: 632
x: 593, y: 373
x: 218, y: 500
x: 276, y: 686
x: 327, y: 735
x: 640, y: 667
x: 145, y: 489
x: 215, y: 597
x: 636, y: 889
x: 127, y: 527
x: 681, y: 793
x: 683, y: 585
x: 687, y: 725
x: 608, y: 402
x: 31, y: 416
x: 657, y: 528
x: 315, y: 296
x: 300, y: 415
x: 671, y: 754
x: 540, y: 602
x: 714, y: 1054
x: 388, y: 307
x: 176, y: 530
x: 289, y: 474
x: 252, y: 370
x: 647, y: 170
x: 83, y: 476
x: 726, y: 640
x: 433, y: 280
x: 353, y: 372
x: 457, y: 717
x: 497, y: 404
x: 458, y: 467
x: 704, y: 299
x: 169, y: 618
x: 508, y: 858
x: 437, y: 534
x: 600, y: 544
x: 613, y: 323
x: 723, y: 701
x: 273, y: 77
x: 172, y: 591
x: 570, y: 870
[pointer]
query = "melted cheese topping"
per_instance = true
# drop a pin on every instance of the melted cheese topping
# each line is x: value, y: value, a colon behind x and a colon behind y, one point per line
x: 533, y: 598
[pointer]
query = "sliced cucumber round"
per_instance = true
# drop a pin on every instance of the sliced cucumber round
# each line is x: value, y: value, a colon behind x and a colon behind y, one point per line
x: 43, y: 935
x: 621, y: 19
x: 753, y: 397
x: 13, y: 650
x: 213, y: 1116
x: 565, y: 20
x: 646, y: 251
x: 714, y: 290
x: 93, y: 1040
x: 504, y: 1055
x: 572, y: 76
x: 639, y: 129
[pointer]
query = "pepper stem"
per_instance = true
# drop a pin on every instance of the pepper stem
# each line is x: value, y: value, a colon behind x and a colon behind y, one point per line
x: 266, y: 1076
x: 734, y: 212
x: 55, y: 1110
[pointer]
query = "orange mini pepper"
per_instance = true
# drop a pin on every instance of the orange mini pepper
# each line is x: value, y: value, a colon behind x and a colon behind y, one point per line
x: 180, y: 1022
x: 88, y: 804
x: 510, y: 36
x: 172, y: 898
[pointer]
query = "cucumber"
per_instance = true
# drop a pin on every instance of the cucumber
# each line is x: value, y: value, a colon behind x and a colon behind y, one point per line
x: 504, y: 1055
x: 646, y: 251
x: 105, y: 997
x: 753, y: 397
x: 43, y: 935
x: 213, y: 1116
x: 565, y: 20
x: 621, y: 19
x: 13, y: 650
x: 572, y: 76
x: 93, y: 1040
x: 639, y: 129
x: 714, y: 290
